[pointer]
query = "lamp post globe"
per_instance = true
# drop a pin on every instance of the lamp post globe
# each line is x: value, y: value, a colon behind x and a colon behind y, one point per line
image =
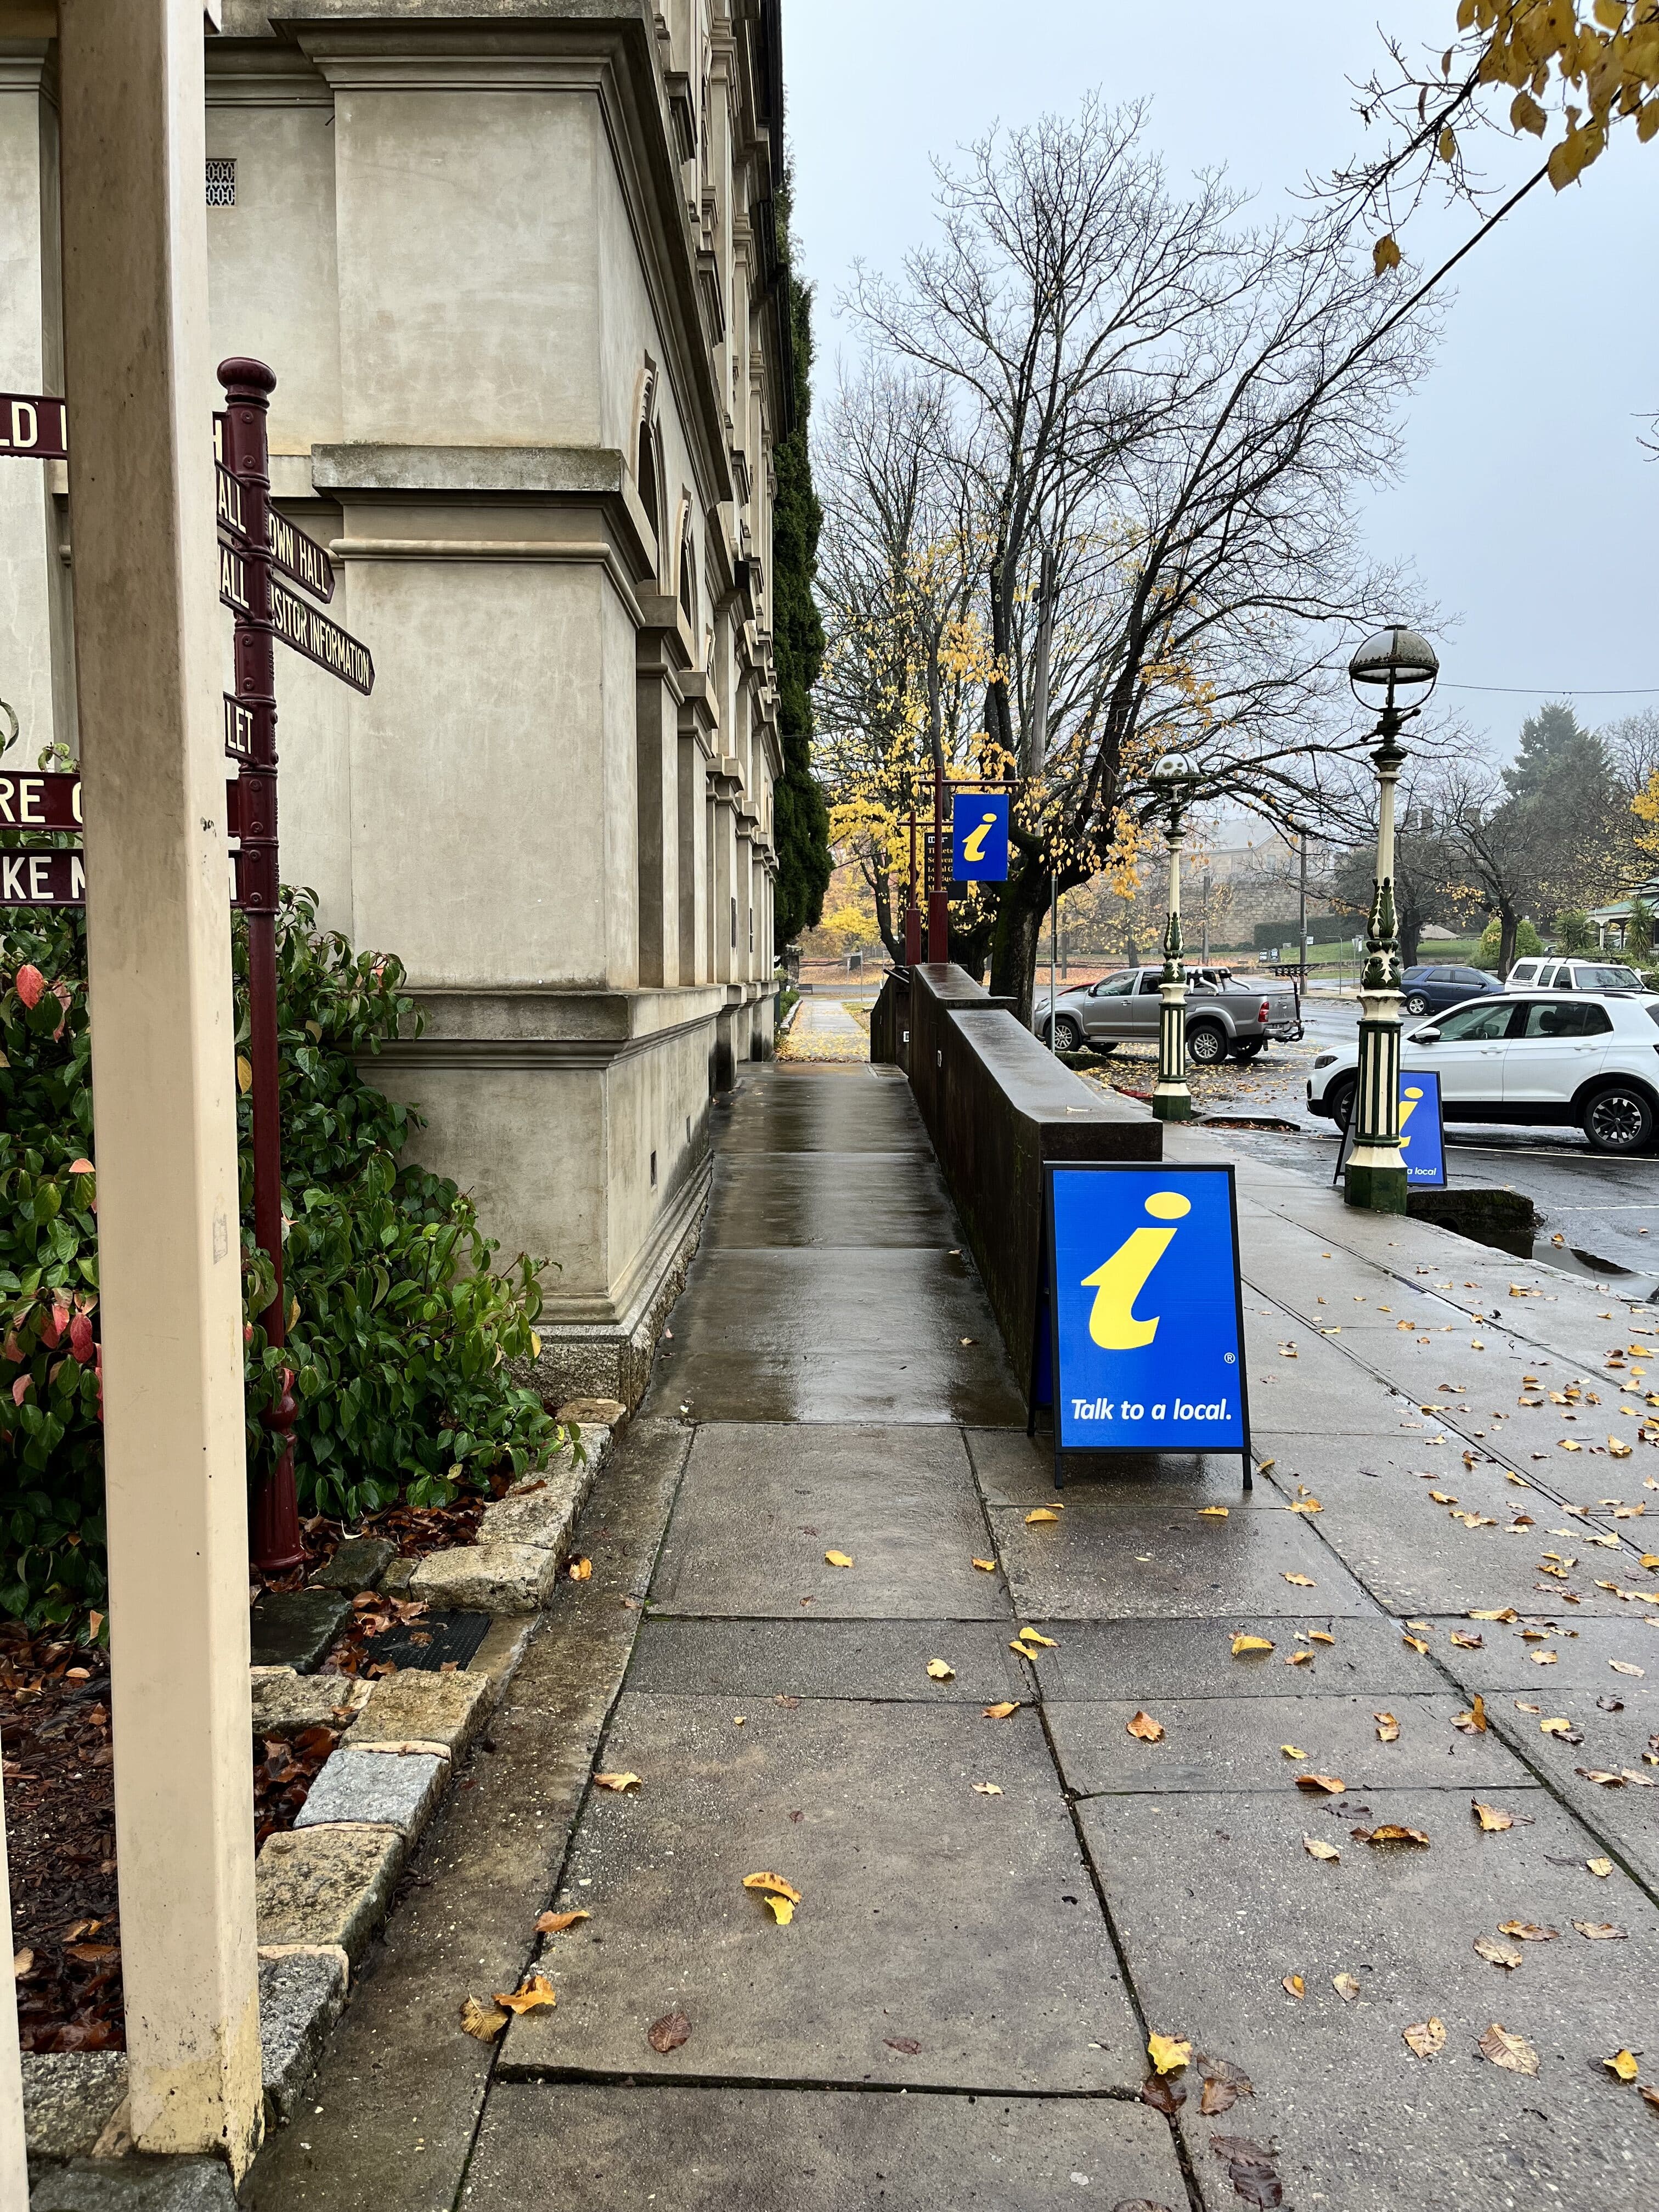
x: 1173, y: 778
x: 1393, y: 671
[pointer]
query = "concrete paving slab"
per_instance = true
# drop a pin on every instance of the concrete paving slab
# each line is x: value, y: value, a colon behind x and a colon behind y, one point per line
x: 295, y: 1628
x: 1584, y: 1652
x: 930, y: 1912
x: 828, y: 1201
x: 1624, y: 1814
x: 851, y: 1113
x: 761, y: 1505
x: 1099, y: 1659
x: 1237, y: 1743
x: 1363, y: 2125
x: 70, y: 2097
x: 415, y: 1705
x: 135, y: 2184
x: 1132, y: 1562
x: 1015, y: 1469
x: 285, y: 1703
x: 879, y: 1659
x: 882, y: 1335
x: 760, y: 2150
x: 326, y: 1885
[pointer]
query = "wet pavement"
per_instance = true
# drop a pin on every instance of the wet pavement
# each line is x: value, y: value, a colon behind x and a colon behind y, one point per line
x: 995, y: 1909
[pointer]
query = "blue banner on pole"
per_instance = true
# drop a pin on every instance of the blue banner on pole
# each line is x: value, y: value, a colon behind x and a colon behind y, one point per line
x: 1147, y: 1318
x: 979, y: 836
x: 1422, y: 1132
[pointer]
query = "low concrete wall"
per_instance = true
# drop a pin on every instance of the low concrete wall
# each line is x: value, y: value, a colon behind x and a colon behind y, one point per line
x: 997, y: 1105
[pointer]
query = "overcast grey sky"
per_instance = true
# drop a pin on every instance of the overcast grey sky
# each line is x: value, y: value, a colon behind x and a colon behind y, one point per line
x: 1527, y: 502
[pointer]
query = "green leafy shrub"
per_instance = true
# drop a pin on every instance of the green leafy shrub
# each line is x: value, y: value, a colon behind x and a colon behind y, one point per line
x: 400, y: 1327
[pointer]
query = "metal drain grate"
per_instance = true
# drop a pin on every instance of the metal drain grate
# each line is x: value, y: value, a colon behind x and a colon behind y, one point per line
x: 431, y: 1642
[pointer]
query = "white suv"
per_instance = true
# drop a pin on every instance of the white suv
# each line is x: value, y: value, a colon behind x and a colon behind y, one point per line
x: 1550, y: 973
x: 1591, y: 1060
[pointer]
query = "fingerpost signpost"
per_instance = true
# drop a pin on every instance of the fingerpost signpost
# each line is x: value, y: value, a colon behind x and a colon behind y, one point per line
x: 253, y: 542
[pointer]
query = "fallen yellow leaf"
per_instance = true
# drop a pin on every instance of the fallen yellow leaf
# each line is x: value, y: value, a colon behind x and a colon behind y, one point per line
x: 1426, y: 2037
x: 1346, y: 1987
x: 1392, y: 1833
x: 245, y: 1084
x: 1045, y: 1643
x: 1555, y: 1726
x: 1001, y: 1712
x: 1473, y: 1723
x: 1528, y: 1931
x: 1321, y: 1635
x: 1041, y: 1513
x: 1302, y: 1582
x: 533, y: 1991
x: 836, y: 1559
x: 1600, y: 1932
x: 939, y: 1671
x: 1168, y: 2053
x: 1416, y: 1642
x: 485, y: 2021
x: 1294, y: 1985
x: 1491, y: 1820
x: 1317, y: 1848
x: 988, y: 1789
x: 1298, y: 1659
x: 1332, y: 1784
x: 1212, y: 1512
x: 986, y: 1566
x: 1245, y: 1646
x: 1600, y: 1867
x: 1144, y: 1726
x: 1624, y: 1667
x: 1388, y: 1728
x: 619, y: 1782
x: 1623, y: 2064
x: 1503, y: 1612
x: 1500, y: 1954
x: 1292, y: 1751
x: 773, y: 1884
x: 581, y: 1570
x: 555, y: 1924
x: 1305, y: 1506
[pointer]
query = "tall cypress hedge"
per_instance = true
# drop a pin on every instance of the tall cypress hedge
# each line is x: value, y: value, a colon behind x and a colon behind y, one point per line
x: 802, y: 820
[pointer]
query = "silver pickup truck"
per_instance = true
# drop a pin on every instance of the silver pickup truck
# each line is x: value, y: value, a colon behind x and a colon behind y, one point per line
x: 1225, y: 1015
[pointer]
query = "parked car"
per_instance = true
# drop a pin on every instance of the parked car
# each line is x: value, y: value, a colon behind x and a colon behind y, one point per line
x: 1549, y: 973
x: 1592, y: 1059
x: 1239, y: 1019
x: 1431, y: 990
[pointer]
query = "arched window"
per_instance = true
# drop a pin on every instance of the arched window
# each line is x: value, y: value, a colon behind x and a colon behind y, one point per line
x: 645, y: 475
x: 687, y: 579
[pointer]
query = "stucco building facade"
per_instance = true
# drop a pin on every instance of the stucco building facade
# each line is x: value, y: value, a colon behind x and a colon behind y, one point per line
x: 514, y: 265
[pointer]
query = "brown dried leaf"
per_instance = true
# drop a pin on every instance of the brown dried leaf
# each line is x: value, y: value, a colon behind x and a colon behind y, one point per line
x: 1165, y: 2097
x: 617, y: 1782
x: 1426, y: 2037
x: 1388, y: 1728
x: 580, y: 1571
x: 1219, y: 2097
x: 940, y: 1670
x: 1600, y: 1867
x: 1346, y: 1987
x: 1302, y: 1582
x: 555, y: 1924
x: 1246, y: 1647
x: 668, y: 2033
x: 485, y: 2021
x: 1392, y: 1833
x: 1491, y: 1820
x: 1528, y: 1931
x: 1001, y: 1712
x: 1513, y: 2052
x: 986, y: 1566
x: 1332, y: 1784
x: 1317, y: 1848
x: 1501, y: 1954
x: 1600, y: 1932
x: 1145, y: 1728
x: 533, y: 1992
x: 1294, y: 1985
x: 905, y: 2044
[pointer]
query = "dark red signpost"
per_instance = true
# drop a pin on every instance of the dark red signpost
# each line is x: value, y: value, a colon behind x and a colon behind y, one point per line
x: 252, y: 541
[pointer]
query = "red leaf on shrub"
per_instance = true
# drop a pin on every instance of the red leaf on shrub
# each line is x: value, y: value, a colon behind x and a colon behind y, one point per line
x: 52, y: 1325
x: 81, y: 1338
x: 81, y: 1167
x: 30, y: 983
x: 19, y: 1389
x: 11, y: 1349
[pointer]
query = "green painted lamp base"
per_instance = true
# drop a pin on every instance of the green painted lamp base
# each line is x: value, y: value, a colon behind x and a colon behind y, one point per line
x: 1380, y: 1190
x: 1172, y: 1106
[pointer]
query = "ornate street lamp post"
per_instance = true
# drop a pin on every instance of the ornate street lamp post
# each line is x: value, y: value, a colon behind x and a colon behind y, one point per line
x: 1396, y: 670
x: 1173, y: 778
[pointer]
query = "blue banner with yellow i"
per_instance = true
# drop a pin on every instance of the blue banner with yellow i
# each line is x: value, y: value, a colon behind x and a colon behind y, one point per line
x: 1146, y: 1311
x: 979, y: 835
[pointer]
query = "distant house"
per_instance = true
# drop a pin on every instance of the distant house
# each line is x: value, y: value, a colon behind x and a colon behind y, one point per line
x: 1609, y: 922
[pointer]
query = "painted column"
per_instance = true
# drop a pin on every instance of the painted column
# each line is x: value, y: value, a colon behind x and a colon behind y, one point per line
x: 1375, y: 1177
x: 150, y: 668
x: 1171, y: 1099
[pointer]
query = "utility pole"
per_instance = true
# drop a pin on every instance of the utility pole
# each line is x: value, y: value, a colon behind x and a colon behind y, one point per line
x: 1038, y: 755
